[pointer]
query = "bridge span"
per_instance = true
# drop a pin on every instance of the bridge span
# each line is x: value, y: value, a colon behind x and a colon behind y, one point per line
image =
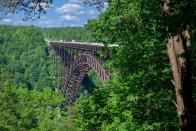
x: 77, y: 58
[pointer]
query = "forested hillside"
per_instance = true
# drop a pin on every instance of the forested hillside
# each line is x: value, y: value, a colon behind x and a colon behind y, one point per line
x: 28, y: 99
x: 24, y: 109
x: 68, y: 34
x: 153, y: 81
x: 25, y: 58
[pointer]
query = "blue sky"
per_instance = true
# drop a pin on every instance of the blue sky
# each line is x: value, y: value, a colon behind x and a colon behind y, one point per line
x: 73, y: 13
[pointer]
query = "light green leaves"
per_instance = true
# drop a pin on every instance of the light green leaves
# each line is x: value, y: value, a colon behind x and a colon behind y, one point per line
x: 23, y: 109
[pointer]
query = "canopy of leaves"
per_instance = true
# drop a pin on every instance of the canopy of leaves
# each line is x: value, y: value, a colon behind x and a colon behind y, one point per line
x: 25, y: 59
x: 68, y: 34
x: 23, y: 109
x: 140, y: 96
x: 31, y: 8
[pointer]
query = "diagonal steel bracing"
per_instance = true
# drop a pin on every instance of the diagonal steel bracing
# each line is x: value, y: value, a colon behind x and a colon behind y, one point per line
x: 77, y: 59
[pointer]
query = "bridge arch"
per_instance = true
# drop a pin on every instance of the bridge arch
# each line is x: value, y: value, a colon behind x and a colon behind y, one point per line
x: 76, y: 73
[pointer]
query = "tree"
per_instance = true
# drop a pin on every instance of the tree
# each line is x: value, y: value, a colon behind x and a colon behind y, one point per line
x: 23, y: 109
x: 155, y: 21
x: 31, y: 8
x: 182, y: 13
x: 139, y: 96
x: 178, y: 17
x: 25, y: 59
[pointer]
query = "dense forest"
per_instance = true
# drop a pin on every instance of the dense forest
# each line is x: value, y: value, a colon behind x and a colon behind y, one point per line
x: 153, y: 83
x: 28, y: 96
x: 25, y: 59
x: 68, y: 34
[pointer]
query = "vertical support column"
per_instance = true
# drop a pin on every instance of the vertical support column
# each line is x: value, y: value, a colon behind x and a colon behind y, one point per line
x: 72, y: 55
x: 59, y: 66
x: 55, y: 64
x: 69, y: 57
x: 66, y: 67
x: 56, y: 67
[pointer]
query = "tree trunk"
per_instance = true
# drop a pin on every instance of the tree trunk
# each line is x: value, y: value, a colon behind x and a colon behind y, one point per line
x: 177, y: 47
x: 180, y: 63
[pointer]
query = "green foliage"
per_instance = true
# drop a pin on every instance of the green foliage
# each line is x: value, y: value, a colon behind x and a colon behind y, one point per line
x: 25, y: 59
x: 68, y: 34
x: 140, y: 94
x: 90, y: 82
x: 23, y: 109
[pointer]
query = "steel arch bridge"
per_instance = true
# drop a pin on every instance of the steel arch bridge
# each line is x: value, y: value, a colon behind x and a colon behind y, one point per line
x: 73, y: 61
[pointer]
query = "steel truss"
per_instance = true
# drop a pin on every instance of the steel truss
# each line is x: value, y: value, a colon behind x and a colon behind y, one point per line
x: 77, y: 60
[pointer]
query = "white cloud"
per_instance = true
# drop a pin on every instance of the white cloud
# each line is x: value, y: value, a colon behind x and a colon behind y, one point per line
x: 69, y: 18
x: 93, y: 12
x: 8, y: 15
x: 80, y: 12
x: 6, y: 20
x: 75, y: 1
x: 69, y: 8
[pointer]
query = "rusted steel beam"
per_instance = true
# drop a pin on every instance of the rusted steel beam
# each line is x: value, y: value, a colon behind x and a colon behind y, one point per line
x: 79, y: 58
x: 92, y: 48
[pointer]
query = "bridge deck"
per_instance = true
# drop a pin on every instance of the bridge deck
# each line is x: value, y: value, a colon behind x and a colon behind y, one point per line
x: 80, y: 45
